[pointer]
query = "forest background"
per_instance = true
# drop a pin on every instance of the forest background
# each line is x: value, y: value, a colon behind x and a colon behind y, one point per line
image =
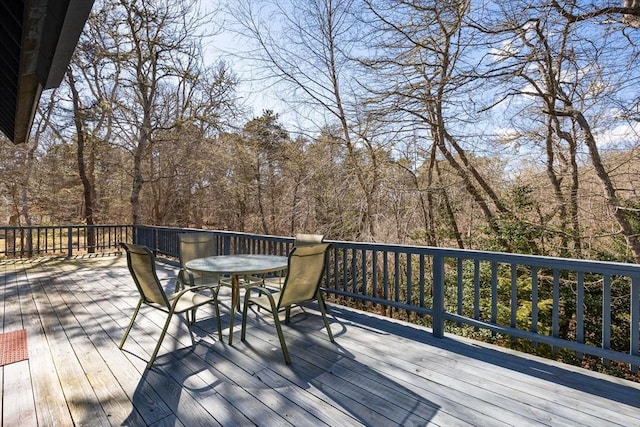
x: 492, y: 125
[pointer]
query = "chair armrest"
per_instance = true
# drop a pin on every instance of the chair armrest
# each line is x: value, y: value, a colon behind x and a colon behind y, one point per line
x: 259, y: 289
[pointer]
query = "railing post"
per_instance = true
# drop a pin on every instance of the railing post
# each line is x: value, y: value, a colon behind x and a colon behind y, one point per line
x: 69, y: 241
x: 438, y: 296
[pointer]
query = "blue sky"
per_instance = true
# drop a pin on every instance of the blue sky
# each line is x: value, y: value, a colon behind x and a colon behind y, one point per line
x: 231, y: 47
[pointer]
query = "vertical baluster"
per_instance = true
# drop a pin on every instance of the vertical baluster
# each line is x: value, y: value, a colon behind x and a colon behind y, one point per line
x: 374, y: 273
x: 363, y: 272
x: 354, y: 272
x: 635, y: 320
x: 422, y: 281
x: 580, y: 311
x: 514, y: 295
x: 385, y: 275
x: 476, y: 291
x: 396, y: 278
x: 494, y: 294
x: 534, y: 302
x: 606, y: 315
x: 555, y: 316
x: 69, y: 241
x: 409, y: 282
x: 30, y: 241
x: 460, y: 292
x: 438, y: 296
x: 344, y: 270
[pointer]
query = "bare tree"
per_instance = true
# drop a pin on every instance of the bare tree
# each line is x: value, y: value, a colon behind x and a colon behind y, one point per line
x: 161, y: 54
x: 305, y: 46
x: 570, y: 73
x: 85, y: 166
x: 421, y: 86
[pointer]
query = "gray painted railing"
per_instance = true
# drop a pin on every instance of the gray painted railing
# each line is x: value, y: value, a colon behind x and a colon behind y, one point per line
x: 541, y: 300
x: 65, y: 240
x: 537, y: 299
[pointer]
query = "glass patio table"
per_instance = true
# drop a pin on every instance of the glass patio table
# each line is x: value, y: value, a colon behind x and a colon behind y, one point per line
x: 236, y: 266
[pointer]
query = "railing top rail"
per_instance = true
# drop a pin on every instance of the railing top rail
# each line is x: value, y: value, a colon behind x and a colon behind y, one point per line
x: 220, y: 232
x: 604, y: 267
x: 500, y: 257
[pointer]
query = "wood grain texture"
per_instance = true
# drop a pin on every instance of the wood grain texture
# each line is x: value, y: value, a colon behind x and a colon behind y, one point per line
x: 379, y: 371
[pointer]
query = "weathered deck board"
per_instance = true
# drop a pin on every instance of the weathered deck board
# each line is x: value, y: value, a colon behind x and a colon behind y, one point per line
x: 405, y: 405
x: 88, y: 340
x: 16, y: 376
x: 79, y: 393
x: 157, y: 390
x: 379, y: 372
x: 141, y: 340
x: 576, y: 394
x: 451, y: 383
x: 51, y: 408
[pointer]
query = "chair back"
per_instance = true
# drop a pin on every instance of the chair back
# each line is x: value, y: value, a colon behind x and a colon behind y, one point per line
x: 195, y: 245
x: 308, y: 239
x: 192, y: 246
x: 142, y: 266
x: 304, y: 274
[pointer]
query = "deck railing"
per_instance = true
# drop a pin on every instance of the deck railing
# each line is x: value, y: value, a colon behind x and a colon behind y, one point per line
x: 65, y: 240
x: 586, y: 307
x: 533, y: 298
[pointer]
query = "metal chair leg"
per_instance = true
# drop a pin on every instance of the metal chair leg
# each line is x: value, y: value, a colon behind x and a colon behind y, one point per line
x: 285, y: 351
x: 219, y: 322
x: 191, y: 320
x: 133, y: 318
x: 243, y: 329
x: 323, y: 310
x: 164, y: 331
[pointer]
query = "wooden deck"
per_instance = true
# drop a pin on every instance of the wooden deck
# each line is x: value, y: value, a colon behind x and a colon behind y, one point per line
x: 379, y: 372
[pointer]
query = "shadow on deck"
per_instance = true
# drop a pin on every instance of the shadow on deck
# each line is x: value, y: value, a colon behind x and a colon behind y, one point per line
x: 379, y: 372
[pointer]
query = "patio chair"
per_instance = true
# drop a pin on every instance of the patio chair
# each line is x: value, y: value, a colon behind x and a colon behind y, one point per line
x: 142, y: 266
x: 275, y: 282
x: 301, y: 285
x: 192, y: 246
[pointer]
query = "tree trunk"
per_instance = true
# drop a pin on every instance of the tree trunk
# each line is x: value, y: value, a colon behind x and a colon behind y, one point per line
x: 450, y: 215
x: 609, y: 190
x: 87, y: 186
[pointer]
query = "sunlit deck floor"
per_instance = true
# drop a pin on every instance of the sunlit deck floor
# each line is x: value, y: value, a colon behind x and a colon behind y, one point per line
x: 379, y: 372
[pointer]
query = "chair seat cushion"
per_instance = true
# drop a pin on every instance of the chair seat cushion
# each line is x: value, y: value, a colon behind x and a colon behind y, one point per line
x: 189, y: 300
x: 263, y: 300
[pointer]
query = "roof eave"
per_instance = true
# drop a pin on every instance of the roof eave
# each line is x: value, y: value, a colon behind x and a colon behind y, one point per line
x: 50, y: 33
